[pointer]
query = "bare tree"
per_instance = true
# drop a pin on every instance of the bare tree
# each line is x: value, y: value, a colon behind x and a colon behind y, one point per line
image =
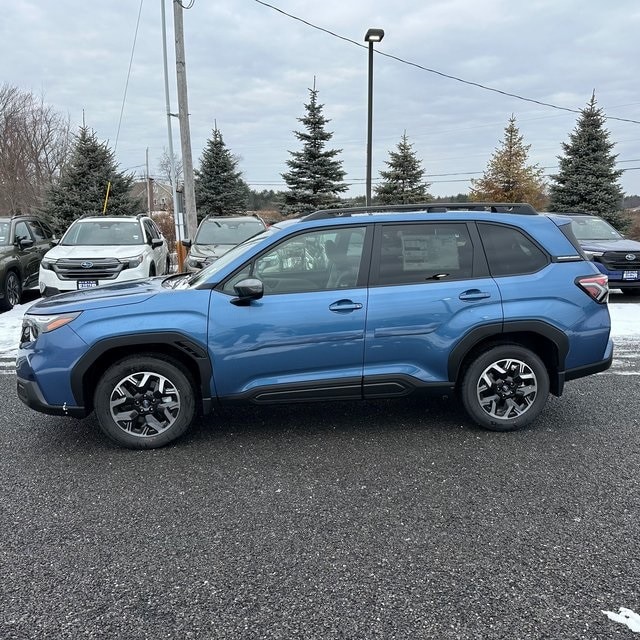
x: 34, y: 146
x: 164, y: 167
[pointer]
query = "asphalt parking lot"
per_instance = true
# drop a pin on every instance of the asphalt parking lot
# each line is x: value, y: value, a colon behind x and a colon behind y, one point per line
x: 391, y: 519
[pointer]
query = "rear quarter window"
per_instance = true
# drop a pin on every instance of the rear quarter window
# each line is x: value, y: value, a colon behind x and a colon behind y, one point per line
x: 510, y: 252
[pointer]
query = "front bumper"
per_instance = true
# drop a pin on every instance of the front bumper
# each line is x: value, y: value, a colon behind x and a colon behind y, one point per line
x: 49, y: 283
x: 29, y: 392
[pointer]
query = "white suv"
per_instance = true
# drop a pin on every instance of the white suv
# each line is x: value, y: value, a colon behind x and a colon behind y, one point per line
x: 99, y: 250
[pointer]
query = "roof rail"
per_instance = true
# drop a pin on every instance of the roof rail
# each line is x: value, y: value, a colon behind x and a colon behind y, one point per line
x: 429, y: 207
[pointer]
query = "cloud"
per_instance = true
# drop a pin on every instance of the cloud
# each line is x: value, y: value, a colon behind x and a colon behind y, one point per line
x: 249, y: 68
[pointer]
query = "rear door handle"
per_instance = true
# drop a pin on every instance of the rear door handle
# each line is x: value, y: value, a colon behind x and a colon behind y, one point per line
x: 474, y: 294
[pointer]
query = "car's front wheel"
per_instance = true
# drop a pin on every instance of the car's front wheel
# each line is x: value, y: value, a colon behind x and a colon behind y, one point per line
x: 12, y: 291
x: 144, y: 402
x: 505, y: 388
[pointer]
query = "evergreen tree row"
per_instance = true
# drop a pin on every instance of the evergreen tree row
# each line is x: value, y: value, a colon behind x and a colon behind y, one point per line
x: 587, y: 179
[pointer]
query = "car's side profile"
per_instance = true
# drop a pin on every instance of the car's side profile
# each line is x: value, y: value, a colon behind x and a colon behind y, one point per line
x: 501, y: 308
x: 24, y: 240
x: 98, y: 250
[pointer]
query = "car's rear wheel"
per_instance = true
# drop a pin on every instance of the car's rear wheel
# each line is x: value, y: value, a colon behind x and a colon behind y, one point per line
x: 12, y: 291
x: 628, y: 291
x: 144, y: 402
x: 505, y: 388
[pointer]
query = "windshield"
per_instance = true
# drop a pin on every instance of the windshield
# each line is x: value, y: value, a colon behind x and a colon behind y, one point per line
x: 224, y: 260
x: 104, y: 232
x: 220, y: 231
x: 592, y: 228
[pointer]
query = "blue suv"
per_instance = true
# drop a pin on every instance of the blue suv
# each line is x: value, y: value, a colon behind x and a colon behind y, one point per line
x: 614, y: 255
x: 493, y: 302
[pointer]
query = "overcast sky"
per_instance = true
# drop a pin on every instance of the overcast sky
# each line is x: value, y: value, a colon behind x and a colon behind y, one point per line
x: 249, y: 68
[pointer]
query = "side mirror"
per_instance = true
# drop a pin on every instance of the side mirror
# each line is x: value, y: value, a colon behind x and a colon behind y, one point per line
x: 54, y: 241
x: 25, y: 243
x: 186, y: 243
x: 156, y: 242
x: 248, y: 289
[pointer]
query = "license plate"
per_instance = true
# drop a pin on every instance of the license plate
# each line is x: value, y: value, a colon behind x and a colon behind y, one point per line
x: 630, y: 275
x: 87, y: 284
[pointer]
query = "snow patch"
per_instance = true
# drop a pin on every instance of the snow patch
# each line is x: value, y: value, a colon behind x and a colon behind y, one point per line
x: 625, y: 616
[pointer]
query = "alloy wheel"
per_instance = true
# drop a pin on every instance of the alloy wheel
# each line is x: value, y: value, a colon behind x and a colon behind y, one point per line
x: 507, y: 388
x: 13, y: 290
x: 144, y: 404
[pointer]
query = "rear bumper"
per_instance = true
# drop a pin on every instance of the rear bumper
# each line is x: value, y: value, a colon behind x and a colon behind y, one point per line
x: 586, y: 370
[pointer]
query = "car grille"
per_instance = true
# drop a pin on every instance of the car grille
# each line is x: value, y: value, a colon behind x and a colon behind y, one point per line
x: 617, y: 260
x: 79, y: 269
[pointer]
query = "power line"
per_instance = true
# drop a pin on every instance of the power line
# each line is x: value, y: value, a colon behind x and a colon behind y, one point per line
x: 126, y: 85
x: 439, y: 73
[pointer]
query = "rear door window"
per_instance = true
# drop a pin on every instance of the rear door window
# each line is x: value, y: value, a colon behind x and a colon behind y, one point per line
x: 423, y: 252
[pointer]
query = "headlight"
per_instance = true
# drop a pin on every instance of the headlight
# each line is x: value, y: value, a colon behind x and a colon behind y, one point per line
x: 194, y: 262
x: 133, y: 263
x: 593, y: 254
x: 46, y: 263
x: 33, y: 325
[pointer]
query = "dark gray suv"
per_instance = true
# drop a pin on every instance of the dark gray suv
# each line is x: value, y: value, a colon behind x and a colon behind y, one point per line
x: 218, y: 234
x: 23, y: 242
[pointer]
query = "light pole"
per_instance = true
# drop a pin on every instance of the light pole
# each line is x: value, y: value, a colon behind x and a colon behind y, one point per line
x: 372, y: 35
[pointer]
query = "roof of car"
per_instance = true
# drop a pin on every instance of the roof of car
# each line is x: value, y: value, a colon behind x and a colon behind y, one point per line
x: 238, y: 218
x: 428, y: 207
x: 98, y: 216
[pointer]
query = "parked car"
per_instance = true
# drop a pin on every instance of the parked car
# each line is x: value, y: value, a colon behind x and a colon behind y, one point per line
x: 23, y: 242
x: 98, y: 250
x: 500, y: 308
x: 216, y: 235
x: 614, y: 255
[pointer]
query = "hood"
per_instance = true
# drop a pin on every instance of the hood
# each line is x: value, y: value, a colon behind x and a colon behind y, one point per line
x: 91, y: 252
x: 110, y: 295
x: 210, y: 250
x: 620, y: 244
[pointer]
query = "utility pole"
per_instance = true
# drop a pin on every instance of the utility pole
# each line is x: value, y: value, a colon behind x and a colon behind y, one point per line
x: 149, y: 185
x: 183, y: 118
x: 178, y: 218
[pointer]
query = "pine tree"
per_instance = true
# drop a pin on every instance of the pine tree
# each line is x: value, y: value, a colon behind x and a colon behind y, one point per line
x: 316, y: 177
x: 83, y: 185
x: 587, y: 179
x: 507, y: 177
x: 220, y: 188
x: 403, y: 182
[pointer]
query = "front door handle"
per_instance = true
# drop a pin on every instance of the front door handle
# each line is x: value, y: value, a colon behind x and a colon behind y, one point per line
x: 344, y: 306
x: 474, y: 294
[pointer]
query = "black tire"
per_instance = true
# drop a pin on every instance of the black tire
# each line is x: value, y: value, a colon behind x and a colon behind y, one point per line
x: 152, y: 270
x: 168, y: 267
x: 505, y: 388
x: 12, y: 290
x: 628, y: 291
x: 144, y: 402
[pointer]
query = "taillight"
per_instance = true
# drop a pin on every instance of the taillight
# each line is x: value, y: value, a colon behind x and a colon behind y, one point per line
x: 596, y: 286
